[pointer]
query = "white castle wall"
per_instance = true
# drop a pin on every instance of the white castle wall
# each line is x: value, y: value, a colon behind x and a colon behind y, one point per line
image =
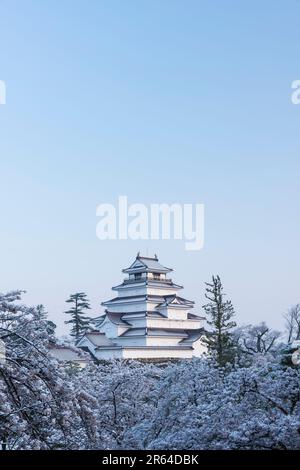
x: 143, y: 290
x: 131, y: 341
x: 128, y: 307
x: 151, y: 344
x: 160, y: 291
x: 174, y: 313
x: 107, y: 354
x: 174, y: 324
x: 199, y: 348
x: 157, y: 354
x: 133, y: 306
x: 163, y: 341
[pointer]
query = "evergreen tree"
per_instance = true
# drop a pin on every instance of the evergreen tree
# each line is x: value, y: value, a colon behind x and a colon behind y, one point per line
x: 220, y: 312
x: 79, y: 321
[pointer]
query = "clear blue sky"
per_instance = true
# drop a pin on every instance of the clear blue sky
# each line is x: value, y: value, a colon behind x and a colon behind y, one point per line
x: 162, y: 101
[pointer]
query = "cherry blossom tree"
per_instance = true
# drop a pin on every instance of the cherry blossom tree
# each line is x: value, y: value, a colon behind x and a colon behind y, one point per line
x: 119, y: 404
x: 206, y: 407
x: 40, y: 408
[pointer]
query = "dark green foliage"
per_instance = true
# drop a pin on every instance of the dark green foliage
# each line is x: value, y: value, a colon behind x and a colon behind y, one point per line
x: 219, y: 312
x: 79, y: 321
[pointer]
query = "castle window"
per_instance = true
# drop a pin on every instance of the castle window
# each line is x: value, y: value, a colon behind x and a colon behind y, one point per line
x: 156, y: 276
x: 138, y: 276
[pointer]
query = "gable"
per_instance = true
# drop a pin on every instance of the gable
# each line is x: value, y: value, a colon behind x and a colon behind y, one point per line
x: 137, y: 264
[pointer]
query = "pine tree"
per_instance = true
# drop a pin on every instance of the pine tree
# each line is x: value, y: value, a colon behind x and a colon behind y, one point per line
x: 79, y: 321
x: 219, y: 341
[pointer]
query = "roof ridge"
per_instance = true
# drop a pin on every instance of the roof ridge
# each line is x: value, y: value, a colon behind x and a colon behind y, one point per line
x: 155, y: 258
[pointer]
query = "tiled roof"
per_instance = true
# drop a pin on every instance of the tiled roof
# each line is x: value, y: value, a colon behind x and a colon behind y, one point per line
x: 192, y: 316
x: 145, y: 264
x: 65, y: 353
x: 157, y: 332
x: 175, y: 300
x: 153, y: 298
x: 134, y: 332
x: 193, y: 335
x: 167, y: 332
x: 116, y: 318
x: 95, y: 337
x: 132, y: 283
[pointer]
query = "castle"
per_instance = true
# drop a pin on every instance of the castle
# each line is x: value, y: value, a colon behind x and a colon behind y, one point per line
x: 147, y: 319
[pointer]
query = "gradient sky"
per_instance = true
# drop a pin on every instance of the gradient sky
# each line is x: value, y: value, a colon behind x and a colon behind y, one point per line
x: 162, y: 101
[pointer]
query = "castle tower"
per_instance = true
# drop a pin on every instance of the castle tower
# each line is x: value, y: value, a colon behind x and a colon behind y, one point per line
x: 147, y: 319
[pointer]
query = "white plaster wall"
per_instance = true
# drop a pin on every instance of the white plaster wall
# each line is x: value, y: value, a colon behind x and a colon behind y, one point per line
x: 163, y: 341
x: 131, y: 341
x: 156, y: 354
x: 199, y: 348
x: 107, y: 354
x: 174, y: 314
x: 128, y: 307
x: 174, y: 324
x: 142, y: 290
x: 151, y: 306
x: 161, y: 291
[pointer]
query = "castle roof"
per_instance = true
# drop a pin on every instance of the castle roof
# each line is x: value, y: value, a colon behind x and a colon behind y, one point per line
x: 193, y: 335
x: 175, y: 300
x: 163, y: 284
x: 144, y: 264
x: 116, y: 318
x: 95, y: 337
